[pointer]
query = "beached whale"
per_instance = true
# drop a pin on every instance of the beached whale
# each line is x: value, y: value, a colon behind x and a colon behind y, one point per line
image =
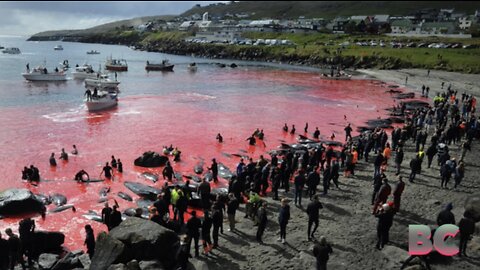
x: 198, y: 168
x: 104, y: 191
x: 46, y: 200
x: 143, y: 190
x: 150, y: 176
x: 63, y: 208
x: 93, y: 217
x: 224, y: 171
x: 58, y: 199
x: 151, y: 159
x: 125, y: 196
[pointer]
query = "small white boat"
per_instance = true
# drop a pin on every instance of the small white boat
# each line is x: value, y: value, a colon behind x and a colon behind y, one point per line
x: 104, y: 101
x: 192, y: 67
x: 93, y: 52
x: 11, y: 50
x: 64, y: 65
x: 102, y: 82
x: 58, y: 48
x: 41, y: 73
x: 83, y: 72
x: 116, y: 64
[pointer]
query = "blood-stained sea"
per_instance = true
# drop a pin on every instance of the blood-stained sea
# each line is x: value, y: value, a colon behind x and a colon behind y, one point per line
x: 180, y: 109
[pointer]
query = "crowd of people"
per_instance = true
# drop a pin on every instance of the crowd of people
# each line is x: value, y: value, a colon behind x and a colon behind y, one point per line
x: 449, y: 122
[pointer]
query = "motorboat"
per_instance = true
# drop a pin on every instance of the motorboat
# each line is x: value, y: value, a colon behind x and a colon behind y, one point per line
x: 65, y: 66
x: 116, y: 64
x: 1, y: 47
x: 103, y: 100
x: 58, y: 48
x: 85, y: 71
x: 93, y: 52
x: 164, y: 66
x: 11, y: 50
x: 192, y: 67
x: 101, y: 81
x: 41, y: 73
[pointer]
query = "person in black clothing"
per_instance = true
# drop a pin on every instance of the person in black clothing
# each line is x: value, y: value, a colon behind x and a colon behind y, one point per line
x: 79, y: 176
x: 217, y: 220
x: 219, y: 138
x: 90, y: 241
x: 161, y: 205
x: 203, y: 191
x: 114, y: 162
x: 326, y: 179
x: 206, y: 228
x: 283, y: 218
x: 377, y: 184
x: 53, y: 162
x: 276, y: 181
x: 26, y: 228
x: 467, y: 228
x: 251, y: 140
x: 64, y: 155
x: 446, y: 216
x: 106, y: 216
x: 285, y: 127
x: 183, y: 253
x: 232, y: 207
x: 4, y: 253
x: 167, y: 172
x: 348, y: 132
x: 299, y: 184
x: 334, y: 173
x: 398, y: 159
x: 119, y: 166
x: 293, y: 130
x: 321, y: 252
x: 88, y: 93
x: 193, y: 226
x: 385, y: 221
x: 316, y: 134
x: 306, y: 127
x: 415, y: 165
x: 262, y: 221
x: 26, y: 173
x: 14, y: 250
x: 313, y: 179
x: 155, y: 217
x: 181, y: 207
x: 115, y: 217
x: 313, y: 215
x: 214, y: 169
x: 108, y: 171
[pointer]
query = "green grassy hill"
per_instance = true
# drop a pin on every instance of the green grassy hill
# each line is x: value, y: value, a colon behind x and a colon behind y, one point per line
x: 328, y: 9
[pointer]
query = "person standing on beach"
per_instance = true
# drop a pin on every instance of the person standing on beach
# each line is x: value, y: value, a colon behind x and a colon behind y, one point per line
x: 397, y: 193
x: 262, y: 221
x: 106, y: 216
x: 348, y: 130
x: 306, y: 127
x: 313, y: 209
x: 89, y: 241
x: 467, y: 228
x: 316, y: 134
x: 232, y: 207
x: 321, y: 251
x: 206, y: 228
x: 193, y: 226
x: 398, y: 159
x: 299, y: 184
x: 406, y: 80
x: 214, y: 169
x: 14, y: 250
x: 283, y: 218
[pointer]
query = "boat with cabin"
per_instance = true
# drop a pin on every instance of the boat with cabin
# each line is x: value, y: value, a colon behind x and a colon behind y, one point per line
x: 93, y: 52
x: 116, y: 64
x: 103, y: 100
x: 11, y: 50
x: 58, y: 48
x: 41, y: 73
x: 101, y: 81
x: 164, y: 66
x: 84, y: 71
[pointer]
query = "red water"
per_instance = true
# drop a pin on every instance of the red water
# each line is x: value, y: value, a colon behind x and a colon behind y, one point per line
x: 187, y: 120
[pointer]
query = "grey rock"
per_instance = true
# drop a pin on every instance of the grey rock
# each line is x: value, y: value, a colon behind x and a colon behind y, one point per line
x: 47, y: 260
x: 119, y: 266
x: 107, y: 251
x: 133, y: 265
x: 395, y: 256
x: 151, y: 265
x: 472, y: 204
x: 85, y: 261
x: 198, y: 265
x: 18, y: 201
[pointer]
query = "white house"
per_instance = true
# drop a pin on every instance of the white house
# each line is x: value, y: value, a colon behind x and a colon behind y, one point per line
x: 465, y: 23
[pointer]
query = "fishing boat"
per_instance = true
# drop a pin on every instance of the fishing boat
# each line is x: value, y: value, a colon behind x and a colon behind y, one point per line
x: 164, y: 66
x: 85, y: 71
x: 65, y: 66
x: 41, y: 73
x: 11, y: 50
x: 93, y: 52
x: 116, y: 64
x: 58, y: 48
x: 101, y: 81
x: 104, y: 100
x: 192, y: 67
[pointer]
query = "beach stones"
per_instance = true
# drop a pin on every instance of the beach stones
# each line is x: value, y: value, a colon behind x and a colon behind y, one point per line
x: 151, y: 159
x: 472, y: 204
x: 18, y: 201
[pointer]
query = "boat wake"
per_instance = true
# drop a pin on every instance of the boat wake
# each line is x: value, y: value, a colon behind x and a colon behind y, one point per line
x: 72, y: 115
x: 193, y: 96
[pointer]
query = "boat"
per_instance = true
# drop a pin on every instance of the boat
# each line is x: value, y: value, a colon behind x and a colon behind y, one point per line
x: 116, y: 64
x: 102, y: 81
x: 192, y: 67
x: 337, y: 77
x: 164, y: 66
x: 83, y: 72
x: 93, y: 52
x: 64, y: 65
x: 1, y: 47
x: 11, y: 50
x: 58, y: 48
x: 105, y: 100
x: 41, y: 73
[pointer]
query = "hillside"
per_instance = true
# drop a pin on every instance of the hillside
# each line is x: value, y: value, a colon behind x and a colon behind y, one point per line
x: 104, y: 28
x: 327, y: 9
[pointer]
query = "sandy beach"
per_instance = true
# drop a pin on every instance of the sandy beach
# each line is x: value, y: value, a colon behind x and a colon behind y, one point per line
x: 346, y: 219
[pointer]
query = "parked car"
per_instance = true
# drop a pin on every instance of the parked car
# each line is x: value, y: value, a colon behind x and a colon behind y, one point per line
x: 470, y: 46
x: 422, y: 45
x: 457, y: 45
x: 411, y: 45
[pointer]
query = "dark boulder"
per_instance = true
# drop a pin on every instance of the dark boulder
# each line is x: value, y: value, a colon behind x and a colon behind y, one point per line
x: 107, y: 251
x: 472, y: 205
x: 151, y: 159
x: 150, y: 265
x: 70, y: 261
x: 18, y: 201
x: 146, y: 240
x: 48, y: 242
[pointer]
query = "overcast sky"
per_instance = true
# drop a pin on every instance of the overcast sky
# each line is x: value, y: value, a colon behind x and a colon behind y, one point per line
x: 27, y: 18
